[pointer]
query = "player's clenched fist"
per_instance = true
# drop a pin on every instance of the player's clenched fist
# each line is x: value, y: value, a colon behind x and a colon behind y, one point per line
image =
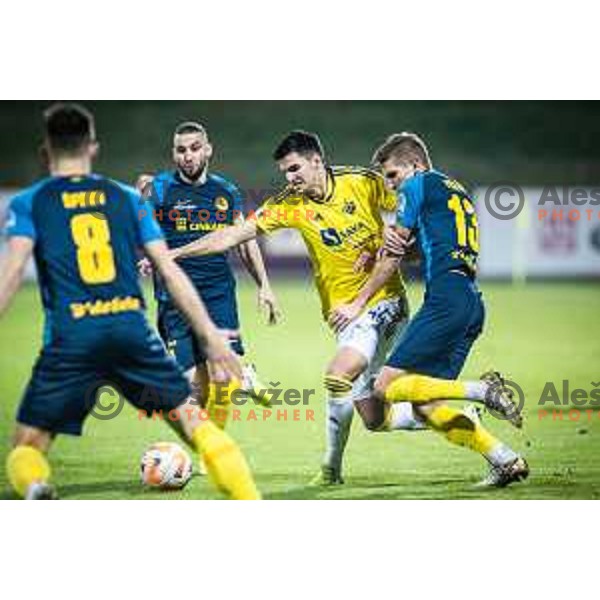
x: 396, y: 240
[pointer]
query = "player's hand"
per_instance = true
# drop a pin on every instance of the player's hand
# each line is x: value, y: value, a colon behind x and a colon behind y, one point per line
x: 267, y: 303
x: 341, y: 316
x: 396, y: 241
x: 364, y: 262
x: 144, y: 184
x: 222, y: 363
x: 145, y: 267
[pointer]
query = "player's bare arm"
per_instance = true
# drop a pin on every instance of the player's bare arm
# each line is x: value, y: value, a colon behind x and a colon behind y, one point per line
x: 251, y: 256
x: 143, y: 185
x: 13, y: 267
x: 222, y: 361
x: 396, y: 242
x: 218, y: 241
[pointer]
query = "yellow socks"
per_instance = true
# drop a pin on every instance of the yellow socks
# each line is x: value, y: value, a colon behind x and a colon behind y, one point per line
x: 459, y: 429
x: 420, y: 388
x: 225, y: 462
x: 218, y: 404
x: 25, y: 466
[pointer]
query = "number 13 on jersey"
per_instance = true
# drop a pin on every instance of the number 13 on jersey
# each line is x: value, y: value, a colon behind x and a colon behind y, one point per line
x: 467, y: 230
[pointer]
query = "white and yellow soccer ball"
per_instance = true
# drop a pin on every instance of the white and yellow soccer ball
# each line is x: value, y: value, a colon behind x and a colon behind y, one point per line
x: 166, y: 466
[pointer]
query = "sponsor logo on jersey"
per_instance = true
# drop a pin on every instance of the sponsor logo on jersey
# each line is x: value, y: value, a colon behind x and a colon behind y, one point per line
x: 330, y: 237
x: 221, y: 203
x: 183, y: 204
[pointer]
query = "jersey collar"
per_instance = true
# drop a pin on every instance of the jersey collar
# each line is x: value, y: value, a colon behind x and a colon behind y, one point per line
x: 329, y: 186
x: 200, y: 181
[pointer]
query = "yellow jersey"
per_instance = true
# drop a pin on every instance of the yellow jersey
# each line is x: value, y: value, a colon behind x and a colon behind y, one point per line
x: 340, y: 231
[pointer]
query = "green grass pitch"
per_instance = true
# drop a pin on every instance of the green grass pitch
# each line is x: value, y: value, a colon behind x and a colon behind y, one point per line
x: 535, y: 333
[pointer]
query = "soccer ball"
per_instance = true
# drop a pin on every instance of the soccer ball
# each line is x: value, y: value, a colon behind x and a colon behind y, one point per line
x: 166, y: 466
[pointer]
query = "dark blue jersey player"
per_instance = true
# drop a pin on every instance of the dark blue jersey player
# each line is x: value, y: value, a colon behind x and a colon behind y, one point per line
x: 84, y: 231
x: 424, y: 366
x: 190, y: 202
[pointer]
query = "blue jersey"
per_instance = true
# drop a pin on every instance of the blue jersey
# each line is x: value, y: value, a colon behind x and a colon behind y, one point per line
x: 186, y: 212
x: 86, y: 232
x: 441, y: 213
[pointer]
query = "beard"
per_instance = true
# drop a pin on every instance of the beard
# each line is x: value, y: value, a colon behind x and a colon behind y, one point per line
x: 193, y: 173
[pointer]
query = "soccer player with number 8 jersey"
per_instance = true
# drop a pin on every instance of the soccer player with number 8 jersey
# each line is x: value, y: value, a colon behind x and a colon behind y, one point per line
x: 85, y: 231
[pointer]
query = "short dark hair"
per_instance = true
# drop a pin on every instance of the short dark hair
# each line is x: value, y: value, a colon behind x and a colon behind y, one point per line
x: 190, y: 127
x: 406, y: 147
x: 302, y: 142
x: 69, y: 127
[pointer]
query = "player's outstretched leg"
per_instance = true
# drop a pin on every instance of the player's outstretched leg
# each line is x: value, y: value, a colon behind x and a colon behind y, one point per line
x: 222, y: 457
x: 460, y: 429
x: 456, y: 426
x: 490, y: 391
x: 27, y: 468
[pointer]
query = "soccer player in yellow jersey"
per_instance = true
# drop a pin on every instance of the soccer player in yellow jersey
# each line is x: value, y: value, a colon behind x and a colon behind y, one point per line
x: 337, y: 210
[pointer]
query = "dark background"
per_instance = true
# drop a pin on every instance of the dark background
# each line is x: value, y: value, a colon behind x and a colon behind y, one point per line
x: 479, y: 142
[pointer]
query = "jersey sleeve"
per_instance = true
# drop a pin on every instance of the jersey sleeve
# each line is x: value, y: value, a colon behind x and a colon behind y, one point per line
x: 19, y: 221
x: 148, y: 230
x: 410, y: 201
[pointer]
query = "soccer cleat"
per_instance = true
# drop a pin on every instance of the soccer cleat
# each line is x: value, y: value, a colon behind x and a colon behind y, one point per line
x: 499, y: 399
x: 501, y: 476
x: 327, y: 476
x: 41, y: 491
x: 253, y: 387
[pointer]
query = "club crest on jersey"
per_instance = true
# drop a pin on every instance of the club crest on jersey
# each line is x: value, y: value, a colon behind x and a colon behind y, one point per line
x: 349, y: 207
x: 221, y: 203
x: 330, y: 237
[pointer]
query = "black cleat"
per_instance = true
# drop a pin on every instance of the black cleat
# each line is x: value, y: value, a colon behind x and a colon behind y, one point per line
x: 499, y: 399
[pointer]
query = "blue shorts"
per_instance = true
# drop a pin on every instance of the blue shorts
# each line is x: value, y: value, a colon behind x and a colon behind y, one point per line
x: 178, y: 336
x: 437, y: 340
x: 124, y: 353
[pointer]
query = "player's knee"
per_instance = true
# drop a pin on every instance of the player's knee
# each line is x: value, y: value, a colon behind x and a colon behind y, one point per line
x: 338, y: 385
x: 32, y: 436
x: 385, y: 378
